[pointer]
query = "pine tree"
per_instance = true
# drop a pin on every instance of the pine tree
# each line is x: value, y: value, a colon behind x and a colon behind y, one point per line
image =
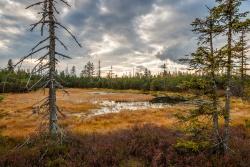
x: 164, y: 67
x: 73, y: 71
x: 110, y: 73
x: 147, y: 73
x: 10, y: 66
x: 206, y: 60
x: 89, y: 70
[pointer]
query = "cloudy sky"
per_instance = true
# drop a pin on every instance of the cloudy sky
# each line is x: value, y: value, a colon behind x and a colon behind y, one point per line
x: 124, y: 33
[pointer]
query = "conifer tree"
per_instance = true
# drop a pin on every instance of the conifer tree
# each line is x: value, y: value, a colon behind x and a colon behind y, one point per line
x: 10, y: 66
x: 206, y: 60
x: 147, y: 73
x: 230, y: 15
x: 73, y: 71
x: 164, y: 67
x: 110, y: 73
x: 89, y: 70
x: 243, y: 28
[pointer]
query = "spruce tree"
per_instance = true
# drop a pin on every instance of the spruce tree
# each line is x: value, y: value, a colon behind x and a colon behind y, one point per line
x: 230, y: 15
x: 10, y: 66
x: 89, y: 70
x: 206, y: 60
x: 73, y: 71
x: 242, y: 47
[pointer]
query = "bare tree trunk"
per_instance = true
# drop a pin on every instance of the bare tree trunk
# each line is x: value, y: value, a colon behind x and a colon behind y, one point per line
x: 215, y: 110
x: 99, y: 69
x: 52, y: 64
x: 242, y: 71
x: 228, y: 85
x: 214, y: 89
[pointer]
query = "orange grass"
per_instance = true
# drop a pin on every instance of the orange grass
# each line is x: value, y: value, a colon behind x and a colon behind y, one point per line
x: 127, y: 119
x: 240, y: 111
x: 17, y: 119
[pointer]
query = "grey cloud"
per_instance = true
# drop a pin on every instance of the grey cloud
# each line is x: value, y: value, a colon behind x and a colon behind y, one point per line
x: 177, y: 51
x: 120, y: 20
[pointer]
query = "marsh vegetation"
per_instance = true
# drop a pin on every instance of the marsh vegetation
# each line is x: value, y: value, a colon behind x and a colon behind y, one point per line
x: 196, y: 117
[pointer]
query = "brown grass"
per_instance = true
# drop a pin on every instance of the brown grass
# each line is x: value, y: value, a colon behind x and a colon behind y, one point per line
x: 17, y: 120
x: 128, y: 119
x: 240, y: 111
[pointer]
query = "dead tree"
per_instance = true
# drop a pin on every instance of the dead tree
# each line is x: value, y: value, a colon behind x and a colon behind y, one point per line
x: 47, y: 62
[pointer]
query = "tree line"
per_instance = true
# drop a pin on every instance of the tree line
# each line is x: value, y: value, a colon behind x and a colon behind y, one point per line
x: 16, y: 80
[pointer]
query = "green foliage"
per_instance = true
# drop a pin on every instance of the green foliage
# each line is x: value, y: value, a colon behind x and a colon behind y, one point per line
x: 155, y: 83
x: 247, y: 123
x: 16, y: 82
x: 196, y: 83
x: 1, y: 98
x: 197, y: 126
x: 188, y: 146
x: 10, y: 67
x: 89, y: 70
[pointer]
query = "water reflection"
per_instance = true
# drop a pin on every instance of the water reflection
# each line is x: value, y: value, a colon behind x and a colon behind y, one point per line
x: 116, y: 107
x: 107, y: 107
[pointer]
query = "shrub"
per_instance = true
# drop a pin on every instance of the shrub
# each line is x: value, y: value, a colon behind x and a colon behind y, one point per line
x: 59, y: 162
x: 145, y: 145
x: 188, y: 146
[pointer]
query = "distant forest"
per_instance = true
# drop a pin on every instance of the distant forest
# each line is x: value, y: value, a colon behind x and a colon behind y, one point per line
x: 21, y: 81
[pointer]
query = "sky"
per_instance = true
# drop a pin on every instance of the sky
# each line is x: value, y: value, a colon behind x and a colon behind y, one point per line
x: 125, y: 34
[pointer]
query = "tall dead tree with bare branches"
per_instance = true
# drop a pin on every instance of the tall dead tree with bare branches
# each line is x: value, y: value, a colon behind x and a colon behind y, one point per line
x: 48, y: 61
